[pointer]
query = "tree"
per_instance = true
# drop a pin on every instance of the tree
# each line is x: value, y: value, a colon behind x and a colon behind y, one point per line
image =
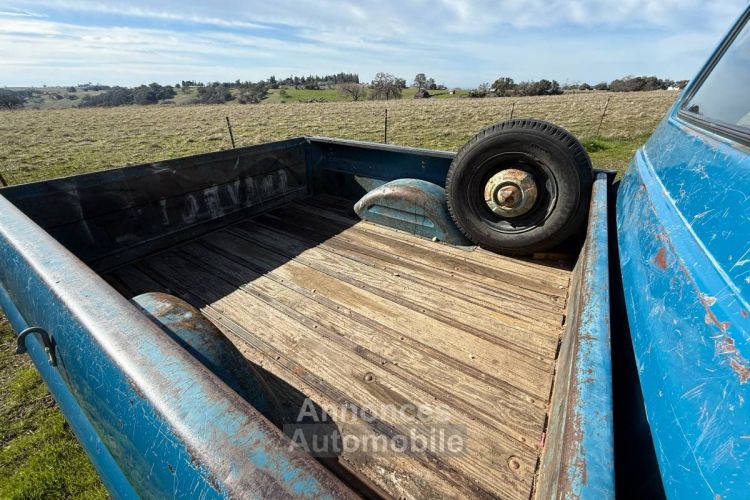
x: 252, y: 93
x: 542, y: 87
x: 144, y: 95
x: 480, y: 91
x: 116, y: 96
x: 420, y: 81
x: 638, y: 84
x: 272, y: 82
x: 162, y: 92
x: 584, y: 86
x: 386, y: 86
x: 71, y: 90
x: 601, y: 86
x: 503, y: 86
x: 10, y: 101
x: 215, y: 93
x: 353, y: 91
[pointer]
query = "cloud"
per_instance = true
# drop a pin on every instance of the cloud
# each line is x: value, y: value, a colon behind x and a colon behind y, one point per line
x: 12, y: 12
x: 458, y: 42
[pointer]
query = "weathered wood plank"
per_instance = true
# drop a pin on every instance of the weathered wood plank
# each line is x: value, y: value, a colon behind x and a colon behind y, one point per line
x: 490, y: 399
x: 525, y: 334
x: 556, y: 271
x: 442, y: 284
x: 492, y: 462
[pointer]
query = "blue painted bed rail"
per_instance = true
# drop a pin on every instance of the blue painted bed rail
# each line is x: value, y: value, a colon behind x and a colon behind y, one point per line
x: 578, y: 460
x: 145, y: 403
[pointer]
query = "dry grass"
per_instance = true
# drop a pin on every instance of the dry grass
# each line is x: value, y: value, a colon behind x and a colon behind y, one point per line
x: 44, y: 143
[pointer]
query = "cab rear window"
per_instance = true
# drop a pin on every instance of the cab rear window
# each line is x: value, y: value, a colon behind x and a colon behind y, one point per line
x: 722, y: 97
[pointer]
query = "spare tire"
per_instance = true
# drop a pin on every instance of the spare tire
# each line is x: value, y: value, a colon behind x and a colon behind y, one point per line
x: 520, y: 187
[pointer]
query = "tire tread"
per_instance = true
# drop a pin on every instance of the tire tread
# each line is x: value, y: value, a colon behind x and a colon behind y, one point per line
x: 579, y: 153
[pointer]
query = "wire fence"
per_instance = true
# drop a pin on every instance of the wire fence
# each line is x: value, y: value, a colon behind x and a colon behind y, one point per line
x: 50, y: 143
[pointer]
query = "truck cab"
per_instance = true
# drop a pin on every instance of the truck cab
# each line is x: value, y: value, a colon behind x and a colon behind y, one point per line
x: 683, y: 232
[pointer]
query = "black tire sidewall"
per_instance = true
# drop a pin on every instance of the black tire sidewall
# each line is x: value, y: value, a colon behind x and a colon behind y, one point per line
x: 553, y: 150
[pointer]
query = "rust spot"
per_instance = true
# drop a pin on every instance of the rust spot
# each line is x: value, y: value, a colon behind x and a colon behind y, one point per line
x: 725, y: 345
x: 743, y: 313
x: 661, y: 258
x: 711, y: 319
x: 740, y: 368
x: 707, y: 300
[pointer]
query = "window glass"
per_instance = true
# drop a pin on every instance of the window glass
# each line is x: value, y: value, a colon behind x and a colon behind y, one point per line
x: 724, y: 95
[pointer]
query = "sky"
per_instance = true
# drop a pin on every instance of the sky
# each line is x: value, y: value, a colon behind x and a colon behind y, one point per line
x: 459, y: 43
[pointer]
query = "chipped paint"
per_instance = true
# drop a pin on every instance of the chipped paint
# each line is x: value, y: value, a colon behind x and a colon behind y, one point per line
x: 578, y: 460
x: 660, y: 258
x: 685, y: 304
x: 412, y: 205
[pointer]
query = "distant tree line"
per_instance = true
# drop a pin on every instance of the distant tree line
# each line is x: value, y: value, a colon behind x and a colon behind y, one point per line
x: 631, y: 84
x: 644, y: 83
x: 119, y: 96
x: 384, y: 86
x: 314, y: 82
x: 507, y: 87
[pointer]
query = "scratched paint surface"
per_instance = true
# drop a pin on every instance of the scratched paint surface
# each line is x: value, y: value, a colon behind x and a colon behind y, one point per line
x: 411, y: 205
x: 708, y: 181
x: 683, y: 225
x: 591, y: 453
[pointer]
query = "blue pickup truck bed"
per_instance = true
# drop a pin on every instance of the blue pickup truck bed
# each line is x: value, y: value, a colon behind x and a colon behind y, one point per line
x: 407, y: 321
x: 385, y: 334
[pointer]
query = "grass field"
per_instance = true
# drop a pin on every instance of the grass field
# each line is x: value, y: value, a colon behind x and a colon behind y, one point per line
x: 45, y: 143
x: 39, y: 457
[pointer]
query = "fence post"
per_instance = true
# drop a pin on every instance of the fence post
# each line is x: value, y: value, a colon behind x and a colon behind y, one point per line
x: 2, y: 180
x: 599, y: 128
x: 231, y: 135
x: 385, y: 128
x: 512, y: 107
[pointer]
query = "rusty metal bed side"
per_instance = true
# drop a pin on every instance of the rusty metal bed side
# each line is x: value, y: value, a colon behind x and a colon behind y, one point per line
x: 578, y: 459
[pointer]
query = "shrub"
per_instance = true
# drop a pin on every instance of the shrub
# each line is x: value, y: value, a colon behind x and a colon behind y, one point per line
x: 252, y: 93
x: 353, y: 91
x: 213, y: 94
x: 10, y: 101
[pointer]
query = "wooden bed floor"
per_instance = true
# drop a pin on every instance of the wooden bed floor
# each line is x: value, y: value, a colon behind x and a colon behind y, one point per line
x: 363, y: 319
